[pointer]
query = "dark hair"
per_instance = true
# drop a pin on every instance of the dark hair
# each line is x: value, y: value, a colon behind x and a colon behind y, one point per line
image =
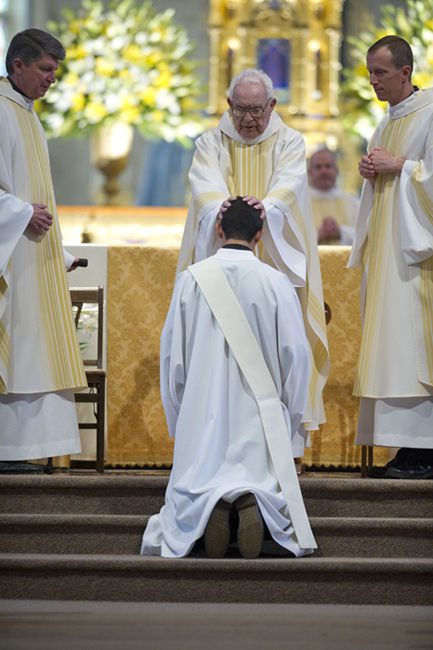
x: 30, y: 45
x: 400, y: 49
x: 241, y: 221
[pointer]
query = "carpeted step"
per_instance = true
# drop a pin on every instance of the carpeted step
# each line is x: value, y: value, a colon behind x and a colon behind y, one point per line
x: 121, y: 534
x: 306, y: 580
x: 374, y: 537
x: 90, y: 493
x: 70, y: 536
x: 144, y: 495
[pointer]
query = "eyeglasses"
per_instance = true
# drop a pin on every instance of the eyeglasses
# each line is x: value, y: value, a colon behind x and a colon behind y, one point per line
x: 254, y: 111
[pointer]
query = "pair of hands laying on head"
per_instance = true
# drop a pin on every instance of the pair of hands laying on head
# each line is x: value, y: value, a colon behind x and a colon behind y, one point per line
x: 251, y: 200
x: 40, y: 223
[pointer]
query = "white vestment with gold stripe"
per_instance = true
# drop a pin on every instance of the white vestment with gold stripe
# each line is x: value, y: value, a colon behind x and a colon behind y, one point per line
x: 394, y: 245
x: 272, y: 167
x: 39, y: 352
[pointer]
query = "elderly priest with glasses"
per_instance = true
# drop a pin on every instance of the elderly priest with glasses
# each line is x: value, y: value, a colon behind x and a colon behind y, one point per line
x: 253, y: 154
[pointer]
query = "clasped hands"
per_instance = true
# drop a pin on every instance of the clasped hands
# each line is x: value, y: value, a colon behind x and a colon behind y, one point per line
x: 380, y: 161
x: 251, y: 200
x: 41, y: 220
x: 328, y: 231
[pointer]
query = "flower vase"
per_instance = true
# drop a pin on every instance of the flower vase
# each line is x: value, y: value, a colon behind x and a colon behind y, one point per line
x: 110, y: 146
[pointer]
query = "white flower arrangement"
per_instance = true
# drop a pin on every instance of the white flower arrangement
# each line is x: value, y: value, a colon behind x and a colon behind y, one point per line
x: 124, y: 62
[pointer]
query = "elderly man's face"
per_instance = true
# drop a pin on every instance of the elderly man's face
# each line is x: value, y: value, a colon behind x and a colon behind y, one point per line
x: 322, y: 171
x: 35, y: 78
x: 250, y: 109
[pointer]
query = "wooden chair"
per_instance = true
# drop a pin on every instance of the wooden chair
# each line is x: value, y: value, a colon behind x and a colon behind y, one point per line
x: 96, y: 376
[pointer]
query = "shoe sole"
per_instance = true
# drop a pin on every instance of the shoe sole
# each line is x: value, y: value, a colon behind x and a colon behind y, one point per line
x: 217, y: 531
x: 251, y: 528
x: 396, y: 473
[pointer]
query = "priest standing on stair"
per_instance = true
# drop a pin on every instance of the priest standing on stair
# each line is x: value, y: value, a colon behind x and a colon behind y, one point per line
x: 40, y: 363
x: 394, y: 246
x: 234, y: 381
x: 252, y: 153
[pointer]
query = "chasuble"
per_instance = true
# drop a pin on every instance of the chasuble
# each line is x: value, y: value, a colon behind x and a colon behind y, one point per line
x: 394, y: 246
x: 39, y: 352
x: 271, y: 167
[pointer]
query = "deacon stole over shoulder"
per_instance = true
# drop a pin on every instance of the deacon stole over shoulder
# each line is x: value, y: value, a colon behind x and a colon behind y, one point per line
x: 239, y: 336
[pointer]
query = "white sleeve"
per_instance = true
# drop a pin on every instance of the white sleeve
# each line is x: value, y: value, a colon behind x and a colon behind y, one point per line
x: 14, y: 218
x: 287, y: 257
x: 416, y: 207
x: 207, y: 241
x: 15, y: 214
x: 294, y: 355
x: 172, y: 362
x: 69, y: 259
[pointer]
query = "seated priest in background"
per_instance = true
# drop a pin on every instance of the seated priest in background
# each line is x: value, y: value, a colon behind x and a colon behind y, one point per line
x: 253, y: 153
x: 234, y: 382
x: 40, y: 362
x: 334, y: 211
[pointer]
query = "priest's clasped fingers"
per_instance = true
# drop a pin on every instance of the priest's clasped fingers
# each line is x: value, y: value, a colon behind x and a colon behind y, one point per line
x: 384, y: 162
x: 328, y: 230
x: 366, y: 168
x: 256, y: 203
x: 41, y: 220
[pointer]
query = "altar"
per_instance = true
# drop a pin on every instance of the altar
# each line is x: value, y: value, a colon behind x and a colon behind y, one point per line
x: 138, y: 280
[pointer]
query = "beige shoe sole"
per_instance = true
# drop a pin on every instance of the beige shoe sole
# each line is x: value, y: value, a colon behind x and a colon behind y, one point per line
x: 217, y: 531
x: 251, y: 528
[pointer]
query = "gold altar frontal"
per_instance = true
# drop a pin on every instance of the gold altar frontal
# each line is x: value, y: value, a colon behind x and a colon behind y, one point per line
x: 140, y: 282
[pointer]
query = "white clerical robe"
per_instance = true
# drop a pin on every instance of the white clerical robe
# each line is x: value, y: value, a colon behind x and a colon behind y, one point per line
x: 339, y: 205
x: 394, y: 246
x: 39, y: 352
x: 220, y: 447
x: 272, y: 167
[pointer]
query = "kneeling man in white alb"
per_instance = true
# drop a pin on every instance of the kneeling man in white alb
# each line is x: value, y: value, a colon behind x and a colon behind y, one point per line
x: 234, y: 379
